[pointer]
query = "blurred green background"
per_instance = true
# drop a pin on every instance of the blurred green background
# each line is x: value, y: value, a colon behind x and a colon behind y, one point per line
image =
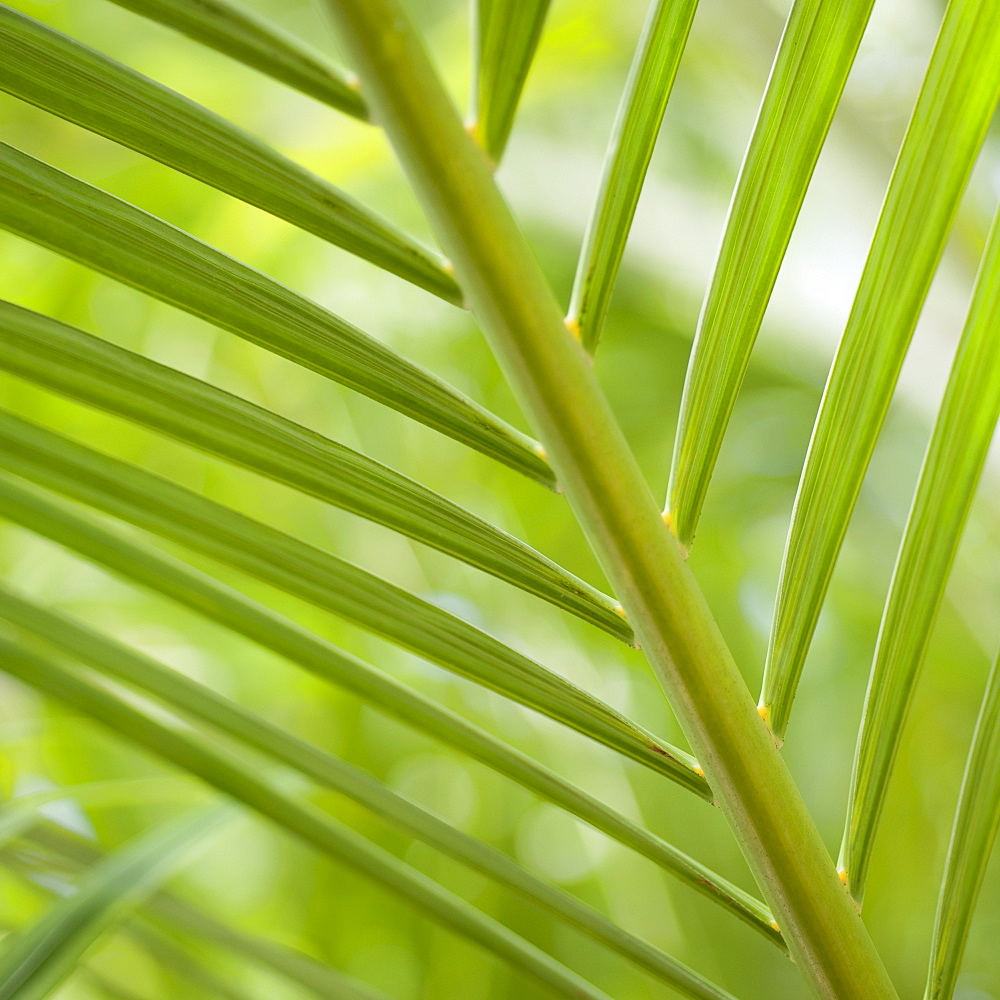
x: 263, y: 882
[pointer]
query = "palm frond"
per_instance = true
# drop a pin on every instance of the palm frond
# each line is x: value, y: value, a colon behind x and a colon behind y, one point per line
x: 229, y: 775
x: 39, y: 959
x: 49, y: 207
x: 506, y: 36
x: 143, y: 565
x: 816, y: 53
x: 194, y: 701
x: 637, y: 124
x: 952, y: 467
x: 330, y: 583
x: 977, y: 821
x: 63, y: 77
x: 90, y: 370
x: 953, y: 112
x: 245, y: 36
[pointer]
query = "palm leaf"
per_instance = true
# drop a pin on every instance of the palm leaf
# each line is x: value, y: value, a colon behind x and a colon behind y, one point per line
x: 192, y: 700
x: 153, y: 503
x: 39, y: 959
x: 164, y: 919
x: 506, y: 36
x: 93, y: 371
x: 68, y: 79
x: 952, y: 467
x: 229, y: 775
x: 201, y: 594
x: 650, y: 81
x: 51, y: 208
x: 977, y: 821
x: 949, y: 124
x: 242, y: 34
x: 816, y: 53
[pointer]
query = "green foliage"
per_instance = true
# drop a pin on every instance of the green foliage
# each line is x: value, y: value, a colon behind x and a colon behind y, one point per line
x: 241, y: 474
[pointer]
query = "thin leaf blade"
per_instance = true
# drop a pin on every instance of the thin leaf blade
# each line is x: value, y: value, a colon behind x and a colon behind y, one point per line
x: 637, y: 124
x: 76, y: 364
x: 507, y: 34
x: 949, y: 123
x: 37, y: 961
x: 153, y: 503
x: 193, y: 700
x: 68, y: 79
x: 814, y: 58
x: 230, y: 776
x: 85, y: 224
x: 977, y: 821
x: 241, y: 34
x: 952, y: 467
x: 203, y: 595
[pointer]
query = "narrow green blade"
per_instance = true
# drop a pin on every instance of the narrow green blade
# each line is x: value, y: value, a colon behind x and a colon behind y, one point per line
x: 952, y: 467
x: 86, y: 368
x: 68, y: 79
x: 332, y: 584
x: 165, y: 919
x: 200, y: 593
x: 817, y: 50
x: 650, y: 80
x: 232, y: 777
x: 953, y: 112
x: 977, y: 821
x: 191, y: 699
x: 241, y: 34
x: 88, y: 225
x: 35, y: 962
x: 506, y: 36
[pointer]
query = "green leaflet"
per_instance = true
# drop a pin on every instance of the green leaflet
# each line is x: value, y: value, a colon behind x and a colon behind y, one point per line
x: 27, y: 869
x: 68, y: 79
x: 817, y: 50
x: 650, y: 81
x: 977, y: 821
x: 952, y: 467
x: 36, y: 961
x: 88, y: 225
x: 200, y: 593
x: 506, y: 36
x: 173, y: 512
x: 241, y: 34
x: 164, y: 917
x: 949, y: 123
x: 233, y: 778
x: 191, y: 699
x: 86, y: 368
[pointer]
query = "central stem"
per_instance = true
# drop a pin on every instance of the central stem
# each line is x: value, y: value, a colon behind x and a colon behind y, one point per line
x: 551, y: 375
